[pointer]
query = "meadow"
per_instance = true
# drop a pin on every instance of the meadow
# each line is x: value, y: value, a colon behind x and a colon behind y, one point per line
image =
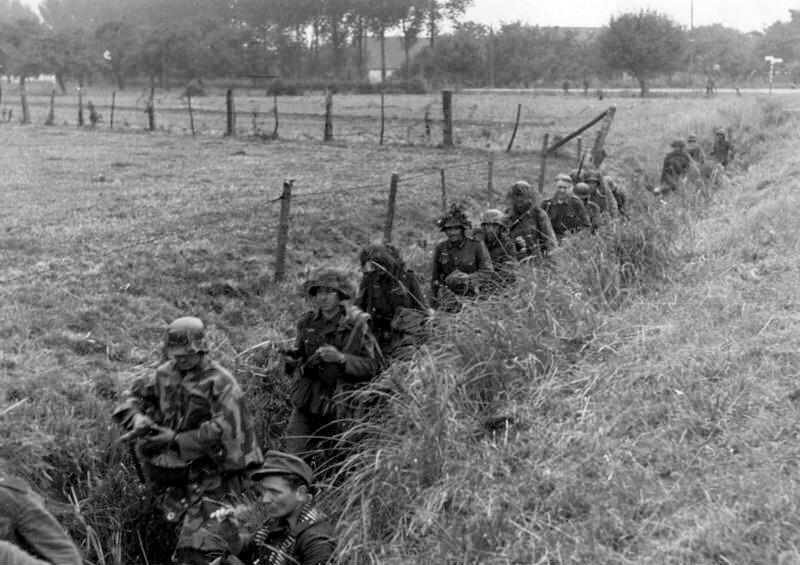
x: 652, y: 412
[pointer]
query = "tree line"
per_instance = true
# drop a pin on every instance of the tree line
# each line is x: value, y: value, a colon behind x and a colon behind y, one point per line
x: 168, y: 42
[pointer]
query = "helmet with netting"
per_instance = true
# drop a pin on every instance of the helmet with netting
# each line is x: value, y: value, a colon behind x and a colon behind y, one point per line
x: 591, y: 176
x: 454, y: 218
x: 495, y: 217
x: 185, y: 336
x: 329, y: 278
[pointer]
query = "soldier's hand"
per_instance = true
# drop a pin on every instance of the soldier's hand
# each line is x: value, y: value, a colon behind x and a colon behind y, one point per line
x: 330, y: 354
x: 141, y: 421
x: 163, y: 436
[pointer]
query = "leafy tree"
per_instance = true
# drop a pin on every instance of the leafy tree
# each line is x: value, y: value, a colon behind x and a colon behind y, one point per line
x: 460, y: 58
x: 644, y: 44
x: 21, y: 53
x: 121, y: 41
x: 13, y: 10
x: 726, y: 52
x: 440, y: 10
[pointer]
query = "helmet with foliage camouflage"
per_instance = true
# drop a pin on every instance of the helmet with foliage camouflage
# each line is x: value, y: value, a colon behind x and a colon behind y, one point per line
x: 493, y: 217
x: 185, y: 336
x: 328, y: 278
x: 521, y: 188
x: 455, y: 218
x: 582, y: 190
x: 591, y: 176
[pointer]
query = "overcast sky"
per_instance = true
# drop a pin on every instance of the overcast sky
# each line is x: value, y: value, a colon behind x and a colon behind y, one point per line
x: 745, y: 15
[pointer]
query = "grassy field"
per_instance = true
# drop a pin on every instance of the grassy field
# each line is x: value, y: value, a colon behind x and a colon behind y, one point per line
x: 654, y: 420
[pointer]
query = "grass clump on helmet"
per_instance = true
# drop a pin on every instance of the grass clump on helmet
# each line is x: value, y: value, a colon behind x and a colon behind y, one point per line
x: 454, y: 218
x: 329, y: 278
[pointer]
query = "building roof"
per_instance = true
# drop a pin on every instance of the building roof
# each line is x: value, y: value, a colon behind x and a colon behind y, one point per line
x: 395, y: 52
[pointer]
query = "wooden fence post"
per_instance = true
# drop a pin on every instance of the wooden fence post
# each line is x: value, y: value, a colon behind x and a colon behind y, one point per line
x: 51, y: 116
x: 283, y: 230
x: 151, y: 109
x: 577, y: 132
x: 387, y: 229
x: 191, y: 114
x: 113, y: 105
x: 444, y: 189
x: 580, y: 150
x: 598, y: 152
x: 543, y: 163
x: 490, y: 179
x: 447, y: 109
x: 383, y: 116
x: 328, y: 115
x: 80, y: 107
x: 516, y: 125
x: 230, y: 113
x: 275, y: 113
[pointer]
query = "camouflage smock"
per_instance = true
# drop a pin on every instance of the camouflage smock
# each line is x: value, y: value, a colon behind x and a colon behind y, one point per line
x: 568, y: 215
x: 533, y: 225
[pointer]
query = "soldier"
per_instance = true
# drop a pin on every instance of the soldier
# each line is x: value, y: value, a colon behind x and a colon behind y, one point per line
x: 29, y: 534
x: 460, y: 263
x: 334, y: 353
x: 528, y: 222
x: 676, y: 166
x: 197, y: 438
x: 503, y: 251
x: 619, y: 194
x: 566, y: 212
x: 600, y: 193
x: 392, y: 296
x: 723, y: 151
x: 694, y: 150
x: 296, y: 531
x: 582, y: 191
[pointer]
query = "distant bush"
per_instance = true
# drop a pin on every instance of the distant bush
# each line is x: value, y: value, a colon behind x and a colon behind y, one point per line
x: 280, y: 87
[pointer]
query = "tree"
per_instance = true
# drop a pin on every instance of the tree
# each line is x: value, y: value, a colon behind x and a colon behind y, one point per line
x: 439, y: 10
x: 21, y: 53
x: 644, y: 44
x: 726, y: 52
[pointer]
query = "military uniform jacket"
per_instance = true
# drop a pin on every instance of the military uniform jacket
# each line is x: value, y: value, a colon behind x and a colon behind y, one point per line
x: 697, y: 154
x: 676, y: 165
x: 723, y: 151
x: 380, y: 295
x: 205, y: 406
x: 533, y: 226
x: 568, y: 215
x: 468, y: 256
x: 29, y: 534
x: 317, y: 382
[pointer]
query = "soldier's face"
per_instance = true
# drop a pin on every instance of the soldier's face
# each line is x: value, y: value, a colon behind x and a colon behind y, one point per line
x: 454, y: 233
x: 188, y: 361
x: 562, y: 187
x: 593, y: 185
x: 327, y: 299
x: 279, y: 498
x: 517, y: 202
x: 491, y: 230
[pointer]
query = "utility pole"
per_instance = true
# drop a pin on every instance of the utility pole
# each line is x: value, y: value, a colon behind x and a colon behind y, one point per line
x: 491, y: 57
x: 772, y: 60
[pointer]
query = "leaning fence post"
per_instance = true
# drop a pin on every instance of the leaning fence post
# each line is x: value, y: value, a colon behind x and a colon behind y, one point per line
x: 447, y: 109
x: 283, y: 230
x: 191, y: 114
x: 516, y: 125
x: 80, y: 107
x: 113, y: 105
x: 387, y: 229
x: 328, y: 115
x: 490, y: 179
x: 444, y: 189
x: 543, y: 162
x: 230, y: 113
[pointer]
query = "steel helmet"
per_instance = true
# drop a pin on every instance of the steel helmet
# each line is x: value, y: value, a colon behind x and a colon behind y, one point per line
x: 493, y: 217
x: 678, y: 144
x: 185, y: 336
x: 336, y: 280
x: 581, y: 190
x: 591, y: 176
x: 521, y: 188
x: 455, y: 217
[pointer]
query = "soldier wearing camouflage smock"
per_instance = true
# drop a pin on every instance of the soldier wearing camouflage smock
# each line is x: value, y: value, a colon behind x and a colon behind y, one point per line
x: 596, y: 217
x: 334, y: 353
x: 503, y: 251
x: 723, y: 151
x: 460, y: 263
x: 527, y: 221
x: 676, y: 166
x: 567, y: 213
x: 601, y: 194
x: 29, y: 534
x: 694, y: 149
x: 198, y: 438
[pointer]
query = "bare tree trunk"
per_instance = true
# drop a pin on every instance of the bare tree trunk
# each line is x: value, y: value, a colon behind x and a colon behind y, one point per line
x: 383, y: 53
x: 23, y: 95
x: 432, y: 17
x: 642, y: 86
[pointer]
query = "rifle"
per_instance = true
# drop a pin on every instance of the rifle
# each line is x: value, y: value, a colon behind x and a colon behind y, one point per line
x: 580, y: 167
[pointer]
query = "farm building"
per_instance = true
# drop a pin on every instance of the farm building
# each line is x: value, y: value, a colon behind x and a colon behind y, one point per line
x: 395, y: 56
